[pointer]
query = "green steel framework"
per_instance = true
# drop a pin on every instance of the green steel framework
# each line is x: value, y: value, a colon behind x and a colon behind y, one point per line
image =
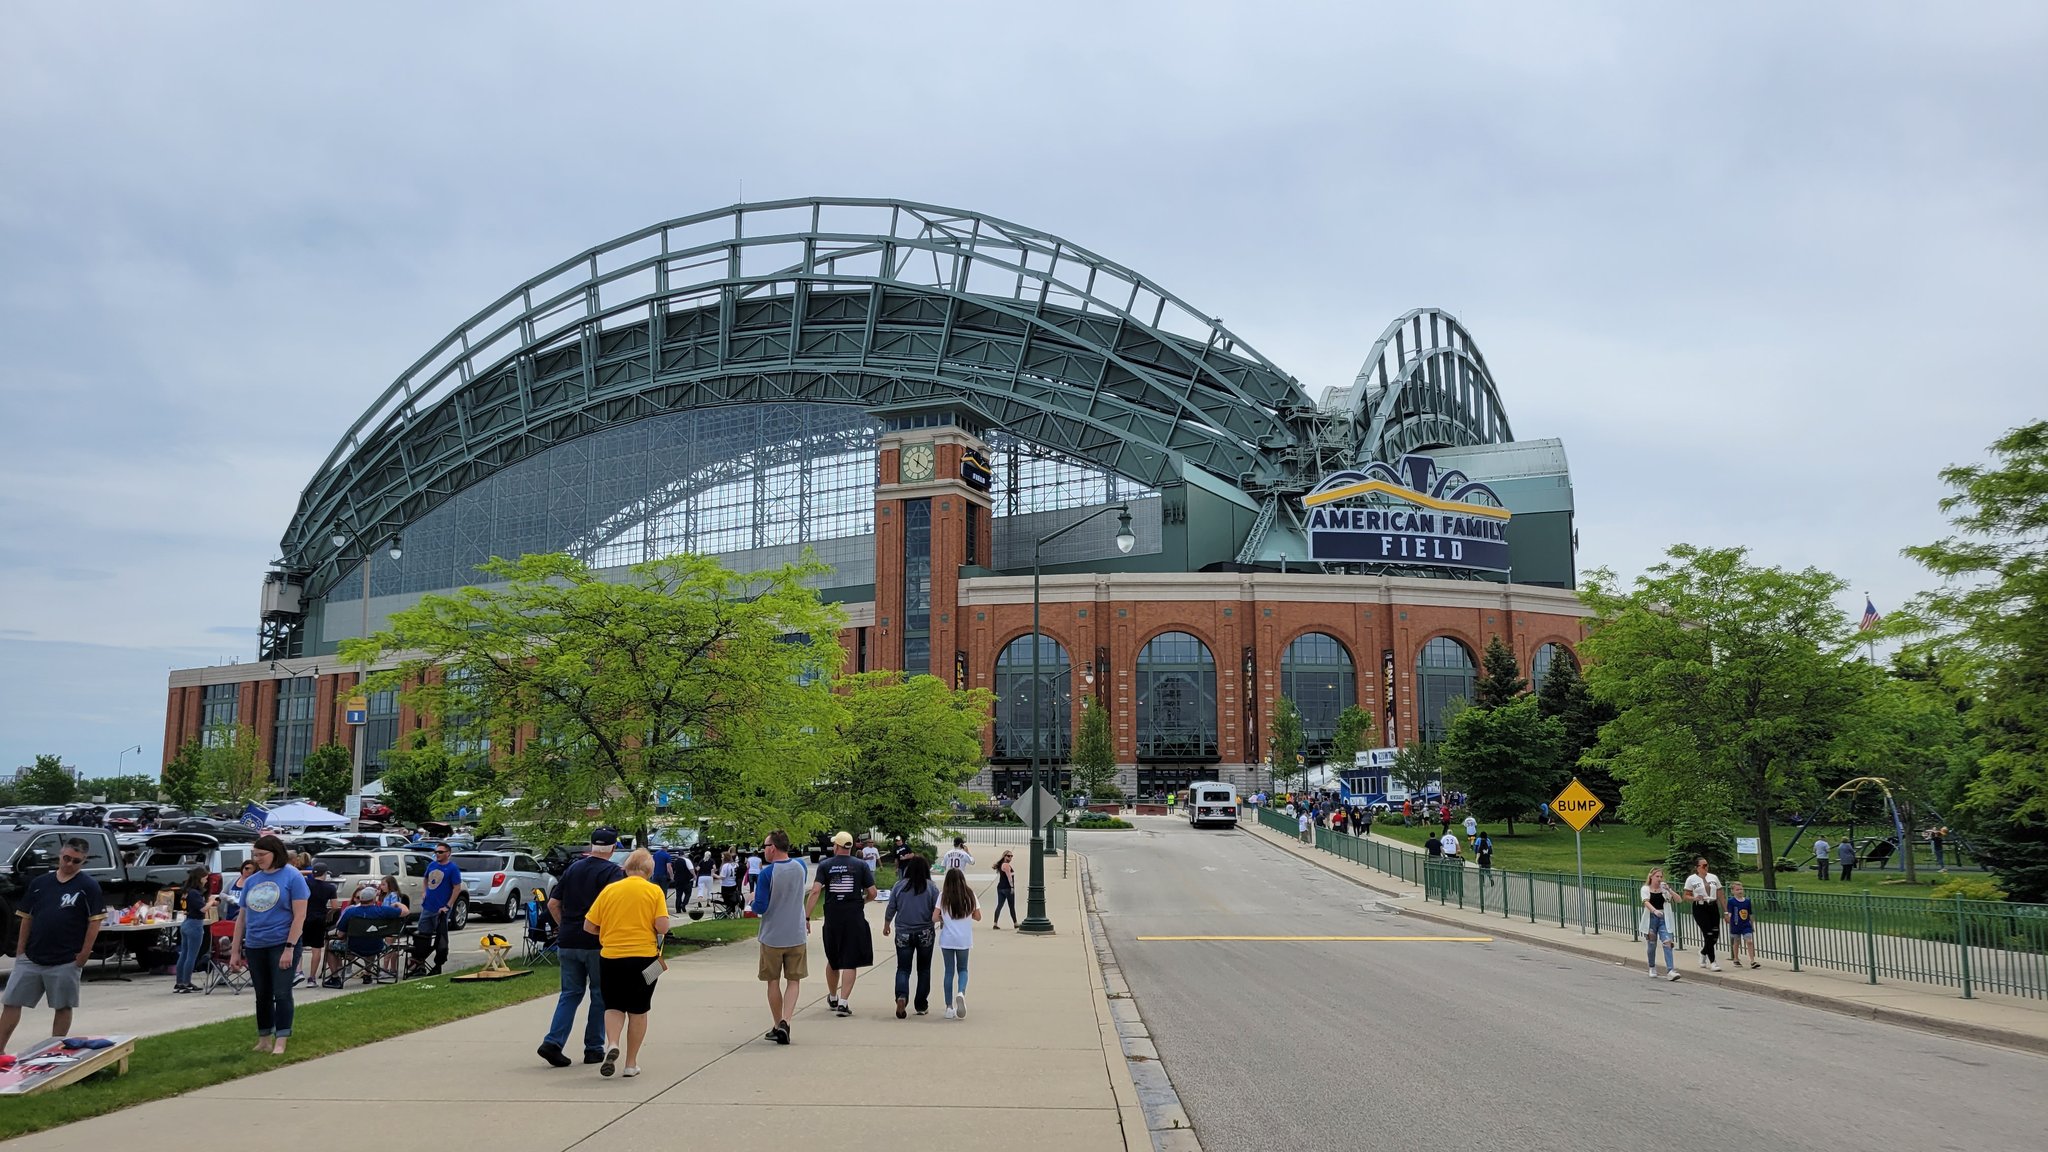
x: 892, y: 306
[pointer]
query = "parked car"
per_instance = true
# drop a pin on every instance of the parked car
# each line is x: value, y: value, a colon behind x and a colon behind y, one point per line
x: 356, y: 867
x: 500, y: 883
x: 166, y: 857
x: 29, y: 851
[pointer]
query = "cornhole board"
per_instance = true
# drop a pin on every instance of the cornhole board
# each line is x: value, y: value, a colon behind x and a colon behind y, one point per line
x: 29, y: 1076
x: 486, y: 974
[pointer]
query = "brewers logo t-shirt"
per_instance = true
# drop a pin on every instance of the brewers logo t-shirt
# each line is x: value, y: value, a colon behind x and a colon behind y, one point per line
x: 442, y: 881
x: 58, y: 915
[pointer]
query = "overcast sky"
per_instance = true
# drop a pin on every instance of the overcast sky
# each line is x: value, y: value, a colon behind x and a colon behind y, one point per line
x: 1764, y: 268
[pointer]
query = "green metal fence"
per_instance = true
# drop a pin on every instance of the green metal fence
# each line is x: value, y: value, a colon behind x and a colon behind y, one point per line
x: 1970, y: 945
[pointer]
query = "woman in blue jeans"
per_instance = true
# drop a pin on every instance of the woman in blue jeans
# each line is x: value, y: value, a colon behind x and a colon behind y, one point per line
x: 192, y: 929
x: 267, y: 935
x: 909, y: 922
x: 958, y: 910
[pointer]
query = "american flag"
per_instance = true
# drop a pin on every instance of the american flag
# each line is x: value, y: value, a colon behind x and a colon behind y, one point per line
x: 1870, y: 616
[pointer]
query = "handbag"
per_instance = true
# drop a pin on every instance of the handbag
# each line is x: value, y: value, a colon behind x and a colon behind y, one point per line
x: 653, y: 971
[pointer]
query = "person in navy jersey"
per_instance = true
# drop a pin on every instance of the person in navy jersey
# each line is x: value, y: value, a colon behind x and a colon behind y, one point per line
x: 664, y: 876
x: 444, y: 881
x: 60, y: 917
x: 267, y: 936
x: 578, y: 950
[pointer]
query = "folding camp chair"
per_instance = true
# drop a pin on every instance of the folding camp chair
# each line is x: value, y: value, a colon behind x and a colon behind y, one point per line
x: 540, y: 940
x: 359, y: 959
x: 220, y: 950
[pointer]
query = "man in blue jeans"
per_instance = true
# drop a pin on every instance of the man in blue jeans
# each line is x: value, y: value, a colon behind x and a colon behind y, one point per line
x: 577, y: 949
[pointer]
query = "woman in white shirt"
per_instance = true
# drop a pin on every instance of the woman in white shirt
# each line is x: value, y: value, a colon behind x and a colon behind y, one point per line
x: 1656, y: 922
x: 958, y: 910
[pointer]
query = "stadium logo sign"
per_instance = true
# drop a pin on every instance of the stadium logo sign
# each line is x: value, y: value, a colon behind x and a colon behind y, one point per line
x: 1407, y: 513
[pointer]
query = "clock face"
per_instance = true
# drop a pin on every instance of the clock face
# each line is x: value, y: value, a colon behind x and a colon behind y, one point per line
x: 917, y: 462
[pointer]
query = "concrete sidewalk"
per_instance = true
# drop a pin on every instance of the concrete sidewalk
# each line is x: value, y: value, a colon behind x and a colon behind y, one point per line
x: 2011, y: 1021
x: 1035, y: 1064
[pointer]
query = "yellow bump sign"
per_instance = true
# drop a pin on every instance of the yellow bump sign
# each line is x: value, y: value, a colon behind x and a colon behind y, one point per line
x: 1577, y: 806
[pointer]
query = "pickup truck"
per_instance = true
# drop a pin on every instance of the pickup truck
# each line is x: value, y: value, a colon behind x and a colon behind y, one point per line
x: 28, y: 851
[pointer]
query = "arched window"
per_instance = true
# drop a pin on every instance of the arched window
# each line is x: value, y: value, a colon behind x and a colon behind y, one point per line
x: 1444, y: 672
x: 1540, y: 666
x: 1176, y: 699
x: 1316, y: 673
x: 1013, y: 701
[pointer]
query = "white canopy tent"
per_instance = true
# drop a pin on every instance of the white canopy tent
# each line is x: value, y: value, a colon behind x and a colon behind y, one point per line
x: 302, y: 815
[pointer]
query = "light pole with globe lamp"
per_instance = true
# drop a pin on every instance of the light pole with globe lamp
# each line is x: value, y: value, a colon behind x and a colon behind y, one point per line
x: 1034, y: 901
x: 340, y: 540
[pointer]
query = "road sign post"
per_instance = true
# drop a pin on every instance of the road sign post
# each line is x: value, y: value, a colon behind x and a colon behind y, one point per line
x: 1577, y: 806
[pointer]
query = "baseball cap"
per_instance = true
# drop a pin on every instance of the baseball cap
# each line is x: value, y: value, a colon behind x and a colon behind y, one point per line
x: 841, y: 839
x: 322, y: 871
x: 604, y: 836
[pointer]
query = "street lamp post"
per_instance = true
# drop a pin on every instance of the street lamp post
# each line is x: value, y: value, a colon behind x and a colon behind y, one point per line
x: 123, y: 756
x: 355, y: 778
x: 1034, y: 899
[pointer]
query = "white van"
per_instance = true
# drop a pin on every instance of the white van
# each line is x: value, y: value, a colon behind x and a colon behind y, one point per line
x: 1211, y: 802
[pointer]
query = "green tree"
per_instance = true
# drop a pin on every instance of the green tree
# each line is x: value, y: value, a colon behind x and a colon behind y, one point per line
x: 329, y: 770
x: 9, y: 795
x: 1500, y: 676
x: 232, y: 765
x: 413, y: 780
x: 1989, y: 620
x: 133, y: 788
x: 1354, y: 731
x: 1564, y: 696
x: 1284, y: 739
x: 48, y: 781
x: 184, y: 778
x: 594, y: 693
x: 1420, y: 765
x: 1504, y: 758
x: 1728, y: 681
x: 914, y: 742
x: 1094, y: 767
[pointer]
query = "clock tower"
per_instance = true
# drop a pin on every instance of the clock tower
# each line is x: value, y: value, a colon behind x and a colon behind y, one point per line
x: 931, y: 519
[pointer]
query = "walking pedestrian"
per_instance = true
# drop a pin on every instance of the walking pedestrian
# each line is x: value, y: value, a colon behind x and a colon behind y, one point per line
x: 1306, y: 822
x: 1656, y: 923
x: 1703, y: 892
x: 1482, y: 848
x: 1846, y: 853
x: 437, y: 910
x: 579, y: 951
x: 909, y: 923
x: 60, y: 917
x: 845, y: 885
x: 1450, y: 844
x: 785, y: 930
x: 1471, y: 828
x: 1939, y: 838
x: 1741, y: 929
x: 191, y: 903
x: 1433, y: 845
x: 958, y: 910
x: 958, y: 856
x: 1822, y: 856
x: 267, y: 936
x: 729, y: 881
x: 871, y: 855
x: 664, y: 876
x: 1006, y: 890
x: 753, y: 873
x: 631, y: 919
x: 1443, y: 814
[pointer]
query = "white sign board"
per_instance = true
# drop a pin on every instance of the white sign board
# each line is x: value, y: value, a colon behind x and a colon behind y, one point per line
x: 1048, y: 805
x: 352, y: 807
x: 1746, y: 846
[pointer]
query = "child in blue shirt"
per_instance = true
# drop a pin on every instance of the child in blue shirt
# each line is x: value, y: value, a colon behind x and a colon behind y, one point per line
x: 1741, y: 928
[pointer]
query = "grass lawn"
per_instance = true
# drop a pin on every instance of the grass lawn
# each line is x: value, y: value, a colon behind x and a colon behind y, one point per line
x: 1619, y: 850
x: 174, y: 1063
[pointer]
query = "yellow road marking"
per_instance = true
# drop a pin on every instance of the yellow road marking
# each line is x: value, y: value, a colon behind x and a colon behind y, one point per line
x: 1323, y: 939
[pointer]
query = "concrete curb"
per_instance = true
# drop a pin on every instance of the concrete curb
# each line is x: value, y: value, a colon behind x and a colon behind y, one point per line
x: 1406, y: 904
x: 1127, y: 1045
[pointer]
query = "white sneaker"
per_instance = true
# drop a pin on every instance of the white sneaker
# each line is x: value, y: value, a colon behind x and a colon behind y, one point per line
x: 1653, y: 973
x: 630, y: 1070
x: 960, y: 1005
x: 1674, y: 974
x: 1715, y: 967
x: 949, y: 1014
x: 1703, y: 961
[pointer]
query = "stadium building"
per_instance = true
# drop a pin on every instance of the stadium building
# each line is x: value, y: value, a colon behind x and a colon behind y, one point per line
x: 919, y: 396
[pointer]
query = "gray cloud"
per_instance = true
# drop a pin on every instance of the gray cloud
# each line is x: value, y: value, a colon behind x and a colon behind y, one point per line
x: 1764, y: 268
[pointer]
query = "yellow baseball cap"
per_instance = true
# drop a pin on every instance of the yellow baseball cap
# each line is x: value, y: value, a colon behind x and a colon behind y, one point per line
x: 841, y: 839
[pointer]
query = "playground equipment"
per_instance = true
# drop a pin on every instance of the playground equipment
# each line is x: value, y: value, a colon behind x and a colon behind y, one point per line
x: 1874, y: 795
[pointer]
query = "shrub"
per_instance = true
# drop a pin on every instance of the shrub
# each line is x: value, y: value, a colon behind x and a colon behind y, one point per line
x: 1099, y: 820
x: 1968, y: 889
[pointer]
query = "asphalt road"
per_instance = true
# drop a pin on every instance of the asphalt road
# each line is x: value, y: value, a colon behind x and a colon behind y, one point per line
x: 1458, y: 1045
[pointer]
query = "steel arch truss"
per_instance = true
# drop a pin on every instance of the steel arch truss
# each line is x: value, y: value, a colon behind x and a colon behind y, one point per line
x: 1423, y: 385
x: 884, y: 304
